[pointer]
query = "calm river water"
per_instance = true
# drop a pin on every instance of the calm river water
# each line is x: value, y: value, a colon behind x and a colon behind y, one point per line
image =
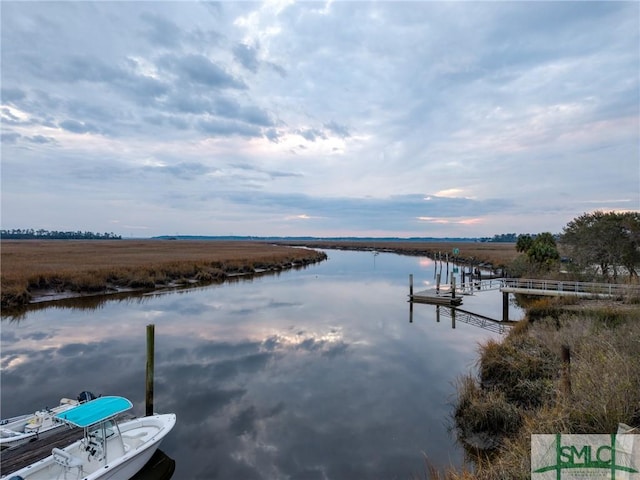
x: 308, y: 374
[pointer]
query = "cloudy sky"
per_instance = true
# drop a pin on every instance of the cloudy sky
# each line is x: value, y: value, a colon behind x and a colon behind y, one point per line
x: 318, y: 118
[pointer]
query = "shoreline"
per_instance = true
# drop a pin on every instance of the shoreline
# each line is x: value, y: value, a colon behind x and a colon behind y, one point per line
x: 47, y: 271
x: 570, y: 367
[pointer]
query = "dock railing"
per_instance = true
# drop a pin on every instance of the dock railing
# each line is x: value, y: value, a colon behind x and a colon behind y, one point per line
x: 561, y: 287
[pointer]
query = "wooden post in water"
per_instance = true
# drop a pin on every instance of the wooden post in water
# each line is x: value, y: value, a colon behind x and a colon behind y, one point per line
x: 411, y: 286
x: 566, y: 370
x: 438, y: 282
x: 505, y: 306
x: 453, y: 286
x: 150, y: 367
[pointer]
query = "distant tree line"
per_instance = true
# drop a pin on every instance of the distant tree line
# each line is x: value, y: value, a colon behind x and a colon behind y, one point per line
x: 503, y: 238
x: 31, y: 234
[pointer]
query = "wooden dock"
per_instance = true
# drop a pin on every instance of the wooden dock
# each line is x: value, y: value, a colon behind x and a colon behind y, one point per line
x: 13, y: 459
x: 432, y: 297
x: 568, y: 288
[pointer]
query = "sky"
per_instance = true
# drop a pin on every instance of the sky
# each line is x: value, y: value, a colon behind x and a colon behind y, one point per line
x: 343, y: 118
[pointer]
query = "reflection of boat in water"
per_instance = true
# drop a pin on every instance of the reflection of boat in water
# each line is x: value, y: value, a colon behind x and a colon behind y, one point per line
x: 108, y: 449
x: 22, y: 429
x: 159, y: 467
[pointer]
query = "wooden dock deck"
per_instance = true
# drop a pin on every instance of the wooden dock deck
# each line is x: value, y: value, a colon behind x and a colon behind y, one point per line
x: 432, y: 297
x: 13, y: 459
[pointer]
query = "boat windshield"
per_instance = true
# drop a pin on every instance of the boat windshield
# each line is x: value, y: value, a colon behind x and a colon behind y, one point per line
x: 108, y: 431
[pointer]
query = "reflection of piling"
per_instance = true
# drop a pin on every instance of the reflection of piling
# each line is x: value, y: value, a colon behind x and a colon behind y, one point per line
x: 410, y: 312
x: 453, y: 317
x: 505, y: 306
x: 438, y: 313
x: 150, y: 366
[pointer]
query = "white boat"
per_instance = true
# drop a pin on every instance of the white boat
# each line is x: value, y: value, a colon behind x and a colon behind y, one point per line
x: 109, y: 449
x: 19, y: 430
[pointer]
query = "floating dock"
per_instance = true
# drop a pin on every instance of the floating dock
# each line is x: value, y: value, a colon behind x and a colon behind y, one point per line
x: 435, y: 298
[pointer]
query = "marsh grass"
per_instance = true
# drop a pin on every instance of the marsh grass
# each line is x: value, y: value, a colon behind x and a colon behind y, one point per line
x: 495, y: 254
x: 523, y: 372
x: 32, y: 266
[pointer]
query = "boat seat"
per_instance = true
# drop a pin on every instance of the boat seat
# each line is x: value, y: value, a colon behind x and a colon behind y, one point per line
x: 67, y: 461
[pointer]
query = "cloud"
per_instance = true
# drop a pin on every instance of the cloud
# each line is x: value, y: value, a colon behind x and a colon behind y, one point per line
x: 341, y: 112
x: 222, y: 128
x: 77, y: 127
x: 200, y: 70
x: 247, y: 56
x: 338, y: 129
x: 161, y: 31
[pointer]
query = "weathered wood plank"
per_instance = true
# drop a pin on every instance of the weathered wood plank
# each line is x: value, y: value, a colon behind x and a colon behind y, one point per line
x: 19, y: 457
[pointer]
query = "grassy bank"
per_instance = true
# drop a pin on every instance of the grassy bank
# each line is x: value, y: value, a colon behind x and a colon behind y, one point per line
x: 525, y: 384
x: 32, y: 267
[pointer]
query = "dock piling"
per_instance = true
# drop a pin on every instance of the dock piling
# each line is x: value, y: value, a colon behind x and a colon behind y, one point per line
x: 150, y: 368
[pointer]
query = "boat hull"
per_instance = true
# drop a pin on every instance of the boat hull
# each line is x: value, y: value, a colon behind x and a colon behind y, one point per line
x: 125, y: 454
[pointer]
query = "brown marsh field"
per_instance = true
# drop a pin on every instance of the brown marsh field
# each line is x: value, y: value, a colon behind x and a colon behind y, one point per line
x: 495, y: 254
x: 37, y: 267
x: 32, y: 269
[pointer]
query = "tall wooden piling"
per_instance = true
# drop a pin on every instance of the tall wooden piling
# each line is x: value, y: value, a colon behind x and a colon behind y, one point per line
x: 411, y: 285
x: 150, y: 367
x: 438, y: 282
x: 453, y: 286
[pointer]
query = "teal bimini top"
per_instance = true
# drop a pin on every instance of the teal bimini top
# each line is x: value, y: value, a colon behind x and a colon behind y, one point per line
x: 95, y: 411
